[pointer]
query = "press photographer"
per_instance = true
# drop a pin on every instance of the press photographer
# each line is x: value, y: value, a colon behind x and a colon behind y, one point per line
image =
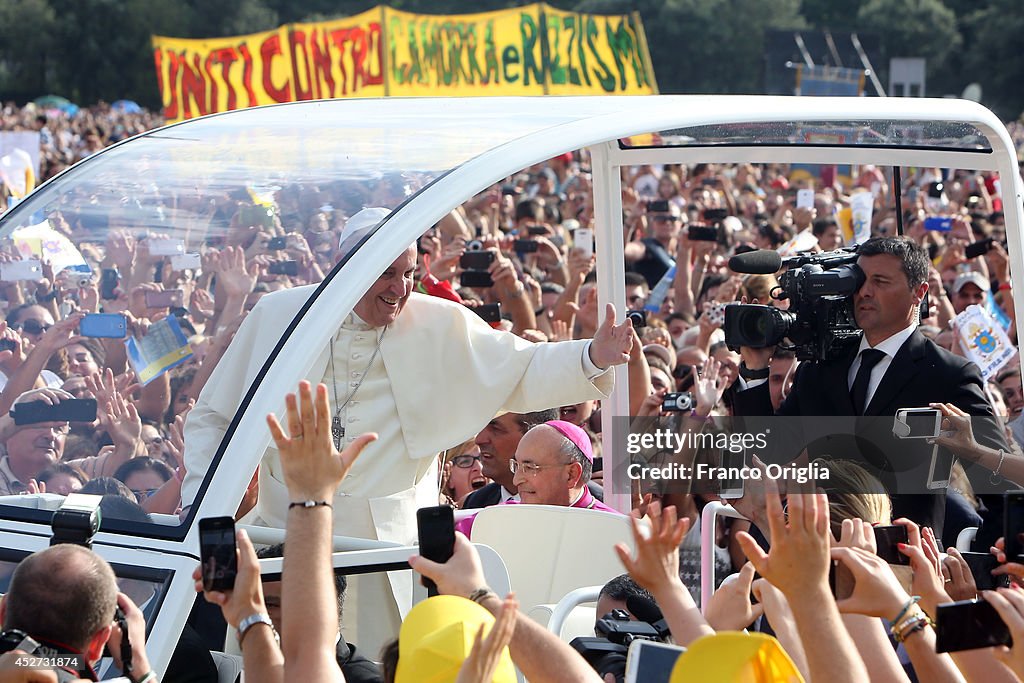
x: 60, y: 609
x: 886, y: 366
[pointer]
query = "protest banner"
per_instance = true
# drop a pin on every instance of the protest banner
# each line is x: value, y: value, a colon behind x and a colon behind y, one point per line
x: 530, y: 50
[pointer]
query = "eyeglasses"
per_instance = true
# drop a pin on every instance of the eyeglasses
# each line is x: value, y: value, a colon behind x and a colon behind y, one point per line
x: 466, y: 461
x: 529, y: 468
x: 662, y: 218
x: 155, y: 441
x: 31, y: 326
x: 637, y: 298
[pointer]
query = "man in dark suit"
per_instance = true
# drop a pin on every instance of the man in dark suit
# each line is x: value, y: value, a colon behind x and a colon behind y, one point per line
x: 893, y: 367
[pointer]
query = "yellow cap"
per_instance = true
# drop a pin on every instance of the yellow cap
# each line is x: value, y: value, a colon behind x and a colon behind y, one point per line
x: 437, y: 636
x: 734, y: 657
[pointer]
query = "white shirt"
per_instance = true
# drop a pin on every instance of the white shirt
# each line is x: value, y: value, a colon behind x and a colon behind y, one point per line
x: 889, y: 347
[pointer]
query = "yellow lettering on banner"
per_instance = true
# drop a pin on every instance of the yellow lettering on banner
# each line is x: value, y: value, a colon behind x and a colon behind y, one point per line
x: 530, y: 50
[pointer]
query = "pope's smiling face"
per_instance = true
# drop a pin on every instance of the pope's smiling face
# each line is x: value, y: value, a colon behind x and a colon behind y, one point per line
x: 387, y: 295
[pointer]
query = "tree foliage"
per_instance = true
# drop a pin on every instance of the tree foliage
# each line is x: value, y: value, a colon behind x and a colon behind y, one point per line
x: 100, y: 49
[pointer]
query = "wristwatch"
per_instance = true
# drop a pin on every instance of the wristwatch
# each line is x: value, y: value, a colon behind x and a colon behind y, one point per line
x: 747, y: 373
x: 258, y: 618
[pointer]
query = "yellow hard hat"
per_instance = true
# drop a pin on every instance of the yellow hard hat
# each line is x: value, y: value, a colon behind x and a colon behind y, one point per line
x: 438, y: 635
x: 735, y: 657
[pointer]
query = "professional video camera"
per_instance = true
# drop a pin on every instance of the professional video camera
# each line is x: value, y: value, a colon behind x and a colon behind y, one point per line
x: 819, y: 287
x: 606, y: 653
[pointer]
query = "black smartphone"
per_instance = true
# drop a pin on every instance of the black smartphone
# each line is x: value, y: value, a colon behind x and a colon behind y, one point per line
x: 217, y: 553
x: 702, y: 233
x: 886, y: 538
x: 969, y: 625
x: 109, y: 280
x: 8, y: 345
x: 476, y: 260
x: 981, y: 565
x: 283, y: 268
x: 525, y: 246
x: 489, y: 313
x: 476, y: 278
x: 1013, y: 526
x: 536, y: 230
x: 715, y: 215
x: 277, y: 243
x: 976, y: 249
x: 68, y: 410
x: 658, y: 206
x: 436, y: 529
x: 935, y: 190
x: 598, y: 465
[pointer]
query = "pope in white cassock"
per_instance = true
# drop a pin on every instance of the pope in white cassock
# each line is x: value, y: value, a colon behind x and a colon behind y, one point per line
x: 425, y: 374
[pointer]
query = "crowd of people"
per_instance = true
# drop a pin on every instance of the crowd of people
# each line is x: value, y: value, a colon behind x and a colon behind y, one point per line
x: 513, y: 404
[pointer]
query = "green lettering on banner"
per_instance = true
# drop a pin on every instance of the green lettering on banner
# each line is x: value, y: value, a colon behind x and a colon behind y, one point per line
x: 509, y: 56
x: 624, y: 48
x: 528, y: 30
x: 601, y: 72
x: 551, y: 51
x: 490, y: 54
x: 431, y: 57
x: 472, y: 45
x: 574, y: 43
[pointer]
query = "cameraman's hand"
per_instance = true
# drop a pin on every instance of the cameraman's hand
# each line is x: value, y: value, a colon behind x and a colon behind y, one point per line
x: 876, y: 590
x: 460, y: 575
x: 136, y: 636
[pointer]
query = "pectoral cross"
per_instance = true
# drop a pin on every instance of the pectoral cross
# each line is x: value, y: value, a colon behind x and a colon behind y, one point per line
x: 337, y: 431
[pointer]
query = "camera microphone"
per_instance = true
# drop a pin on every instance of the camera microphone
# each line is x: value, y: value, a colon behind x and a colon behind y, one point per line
x: 646, y: 610
x: 760, y: 262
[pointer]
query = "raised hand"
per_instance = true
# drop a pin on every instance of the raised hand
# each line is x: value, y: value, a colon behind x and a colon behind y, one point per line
x: 656, y: 565
x: 612, y: 343
x: 799, y: 556
x: 312, y: 467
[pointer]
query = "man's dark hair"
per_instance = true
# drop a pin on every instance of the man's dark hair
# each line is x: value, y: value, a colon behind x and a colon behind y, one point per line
x: 819, y: 226
x: 102, y: 486
x: 622, y: 587
x: 340, y: 580
x: 527, y: 421
x: 113, y: 506
x: 389, y: 660
x: 636, y: 280
x: 63, y: 594
x: 912, y: 256
x: 143, y: 463
x: 530, y: 209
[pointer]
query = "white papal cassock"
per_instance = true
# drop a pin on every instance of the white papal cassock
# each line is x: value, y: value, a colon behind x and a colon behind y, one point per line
x: 440, y: 375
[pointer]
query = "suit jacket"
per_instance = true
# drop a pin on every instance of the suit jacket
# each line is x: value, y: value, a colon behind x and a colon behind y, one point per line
x: 920, y: 373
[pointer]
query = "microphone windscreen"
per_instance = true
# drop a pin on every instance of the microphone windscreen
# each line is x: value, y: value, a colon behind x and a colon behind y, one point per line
x: 643, y: 608
x: 760, y: 262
